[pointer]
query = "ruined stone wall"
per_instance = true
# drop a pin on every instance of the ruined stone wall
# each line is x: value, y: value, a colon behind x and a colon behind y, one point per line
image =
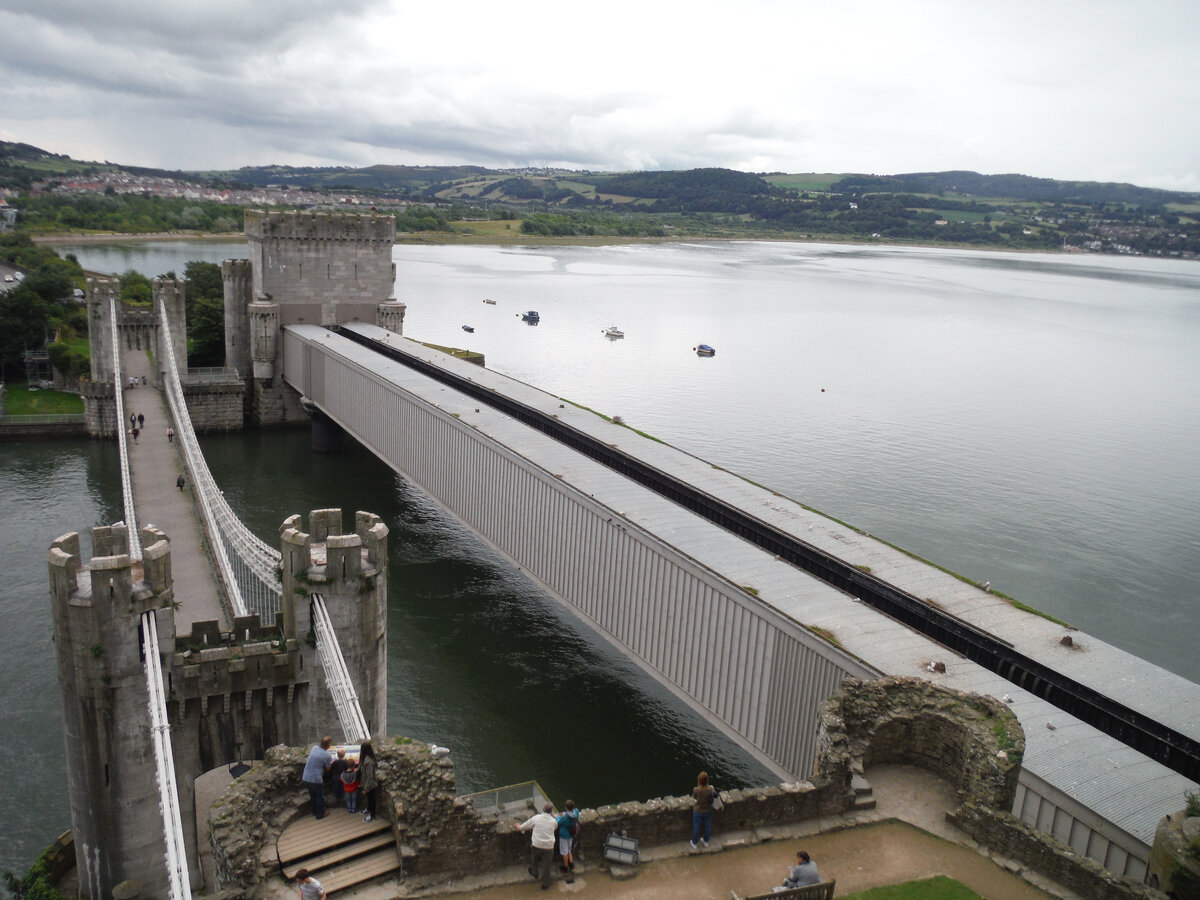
x: 1005, y: 835
x: 974, y: 742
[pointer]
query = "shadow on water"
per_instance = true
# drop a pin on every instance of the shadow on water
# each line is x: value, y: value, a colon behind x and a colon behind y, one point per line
x: 479, y: 659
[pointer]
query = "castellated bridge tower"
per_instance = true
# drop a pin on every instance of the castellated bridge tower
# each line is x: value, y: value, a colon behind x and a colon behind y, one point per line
x: 304, y: 268
x: 137, y: 329
x: 231, y: 694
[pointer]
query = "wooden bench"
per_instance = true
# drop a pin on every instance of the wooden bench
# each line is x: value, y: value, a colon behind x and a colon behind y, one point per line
x: 822, y: 891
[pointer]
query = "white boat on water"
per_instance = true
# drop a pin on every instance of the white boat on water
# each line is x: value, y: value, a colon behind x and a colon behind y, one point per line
x: 489, y: 300
x: 613, y: 331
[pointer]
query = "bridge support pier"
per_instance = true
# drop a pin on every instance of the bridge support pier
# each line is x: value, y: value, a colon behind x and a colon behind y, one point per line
x: 327, y: 435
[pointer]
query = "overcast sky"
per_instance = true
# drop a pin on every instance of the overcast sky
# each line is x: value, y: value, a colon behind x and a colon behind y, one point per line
x: 1093, y: 90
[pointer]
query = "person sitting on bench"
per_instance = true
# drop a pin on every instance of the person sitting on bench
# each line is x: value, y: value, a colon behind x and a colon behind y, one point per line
x: 802, y: 873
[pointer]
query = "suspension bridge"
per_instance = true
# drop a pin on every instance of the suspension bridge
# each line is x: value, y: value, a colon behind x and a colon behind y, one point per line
x: 247, y: 582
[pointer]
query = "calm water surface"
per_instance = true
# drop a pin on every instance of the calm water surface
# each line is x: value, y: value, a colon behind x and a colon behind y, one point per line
x: 1029, y: 420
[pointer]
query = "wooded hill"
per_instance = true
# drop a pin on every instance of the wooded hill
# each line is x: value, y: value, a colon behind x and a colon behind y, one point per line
x: 1015, y: 211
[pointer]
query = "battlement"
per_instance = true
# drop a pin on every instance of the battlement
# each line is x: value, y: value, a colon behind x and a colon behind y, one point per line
x: 321, y: 226
x: 110, y: 579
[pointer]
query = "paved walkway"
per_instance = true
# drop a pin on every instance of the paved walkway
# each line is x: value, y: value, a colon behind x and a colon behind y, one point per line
x: 155, y: 463
x: 905, y: 838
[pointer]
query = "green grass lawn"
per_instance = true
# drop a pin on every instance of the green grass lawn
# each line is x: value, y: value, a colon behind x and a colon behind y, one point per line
x: 20, y: 401
x: 938, y: 888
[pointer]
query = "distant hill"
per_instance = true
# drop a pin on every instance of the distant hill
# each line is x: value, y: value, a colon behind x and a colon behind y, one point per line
x: 965, y: 208
x: 1010, y: 187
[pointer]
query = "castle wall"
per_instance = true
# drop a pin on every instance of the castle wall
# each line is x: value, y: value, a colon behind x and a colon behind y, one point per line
x: 215, y: 407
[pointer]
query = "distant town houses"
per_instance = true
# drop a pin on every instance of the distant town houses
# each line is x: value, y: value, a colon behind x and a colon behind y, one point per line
x: 159, y: 186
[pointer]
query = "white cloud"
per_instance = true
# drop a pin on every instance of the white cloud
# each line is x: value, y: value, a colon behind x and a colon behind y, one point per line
x: 1068, y: 90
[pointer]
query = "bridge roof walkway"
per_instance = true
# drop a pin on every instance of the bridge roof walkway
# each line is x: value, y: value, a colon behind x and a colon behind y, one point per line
x: 155, y: 464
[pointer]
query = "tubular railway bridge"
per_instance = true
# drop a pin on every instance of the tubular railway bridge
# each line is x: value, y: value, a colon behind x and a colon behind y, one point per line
x: 728, y: 593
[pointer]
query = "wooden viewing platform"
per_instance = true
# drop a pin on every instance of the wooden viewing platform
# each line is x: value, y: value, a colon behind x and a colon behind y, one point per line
x: 339, y: 850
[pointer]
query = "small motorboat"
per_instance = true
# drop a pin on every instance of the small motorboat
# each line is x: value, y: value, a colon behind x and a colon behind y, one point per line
x: 470, y: 328
x: 489, y: 300
x: 531, y: 316
x: 704, y: 350
x: 613, y: 331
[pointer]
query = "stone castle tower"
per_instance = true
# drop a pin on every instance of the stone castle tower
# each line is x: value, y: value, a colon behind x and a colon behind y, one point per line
x: 231, y: 694
x: 304, y: 268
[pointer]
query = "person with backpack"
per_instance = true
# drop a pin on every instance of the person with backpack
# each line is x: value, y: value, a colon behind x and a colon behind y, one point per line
x: 568, y: 830
x: 350, y: 785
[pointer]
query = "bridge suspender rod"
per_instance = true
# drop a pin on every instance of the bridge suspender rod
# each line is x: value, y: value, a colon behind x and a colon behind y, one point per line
x: 164, y: 762
x: 345, y: 700
x: 247, y: 566
x: 135, y: 538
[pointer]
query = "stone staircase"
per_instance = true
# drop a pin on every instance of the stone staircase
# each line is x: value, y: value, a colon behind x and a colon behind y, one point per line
x: 340, y: 850
x: 863, y: 796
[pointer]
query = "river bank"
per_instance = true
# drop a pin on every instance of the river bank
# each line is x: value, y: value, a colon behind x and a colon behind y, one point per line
x: 520, y: 239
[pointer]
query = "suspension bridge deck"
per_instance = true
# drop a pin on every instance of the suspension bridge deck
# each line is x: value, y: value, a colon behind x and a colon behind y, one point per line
x: 154, y: 466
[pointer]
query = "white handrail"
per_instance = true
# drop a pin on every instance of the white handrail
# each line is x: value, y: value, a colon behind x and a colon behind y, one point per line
x: 164, y: 762
x: 345, y: 700
x: 135, y: 538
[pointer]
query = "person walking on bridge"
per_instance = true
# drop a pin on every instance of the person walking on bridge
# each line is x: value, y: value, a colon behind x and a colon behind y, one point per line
x: 141, y: 421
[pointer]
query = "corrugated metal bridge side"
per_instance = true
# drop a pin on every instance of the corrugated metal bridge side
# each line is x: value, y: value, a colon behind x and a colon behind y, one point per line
x: 757, y: 673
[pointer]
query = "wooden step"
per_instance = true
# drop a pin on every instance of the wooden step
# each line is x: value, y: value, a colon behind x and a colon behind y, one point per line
x: 339, y: 854
x: 364, y: 868
x: 308, y: 836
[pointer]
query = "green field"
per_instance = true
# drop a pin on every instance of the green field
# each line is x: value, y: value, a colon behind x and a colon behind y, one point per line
x: 810, y: 181
x: 21, y: 401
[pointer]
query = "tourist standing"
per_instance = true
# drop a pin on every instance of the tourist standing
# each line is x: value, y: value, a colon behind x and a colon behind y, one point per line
x: 368, y: 778
x: 310, y: 888
x: 318, y: 762
x: 350, y: 785
x: 541, y: 851
x: 702, y: 810
x: 568, y: 830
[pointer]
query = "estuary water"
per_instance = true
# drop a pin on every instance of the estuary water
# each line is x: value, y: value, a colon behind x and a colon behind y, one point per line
x: 1032, y: 420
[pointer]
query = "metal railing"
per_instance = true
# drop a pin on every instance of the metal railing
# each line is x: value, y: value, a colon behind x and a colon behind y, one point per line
x: 337, y: 676
x: 248, y: 567
x: 164, y: 762
x: 518, y: 800
x: 135, y: 538
x: 212, y: 375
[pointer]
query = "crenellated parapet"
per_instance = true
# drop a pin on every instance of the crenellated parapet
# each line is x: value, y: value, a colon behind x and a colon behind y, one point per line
x: 320, y: 226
